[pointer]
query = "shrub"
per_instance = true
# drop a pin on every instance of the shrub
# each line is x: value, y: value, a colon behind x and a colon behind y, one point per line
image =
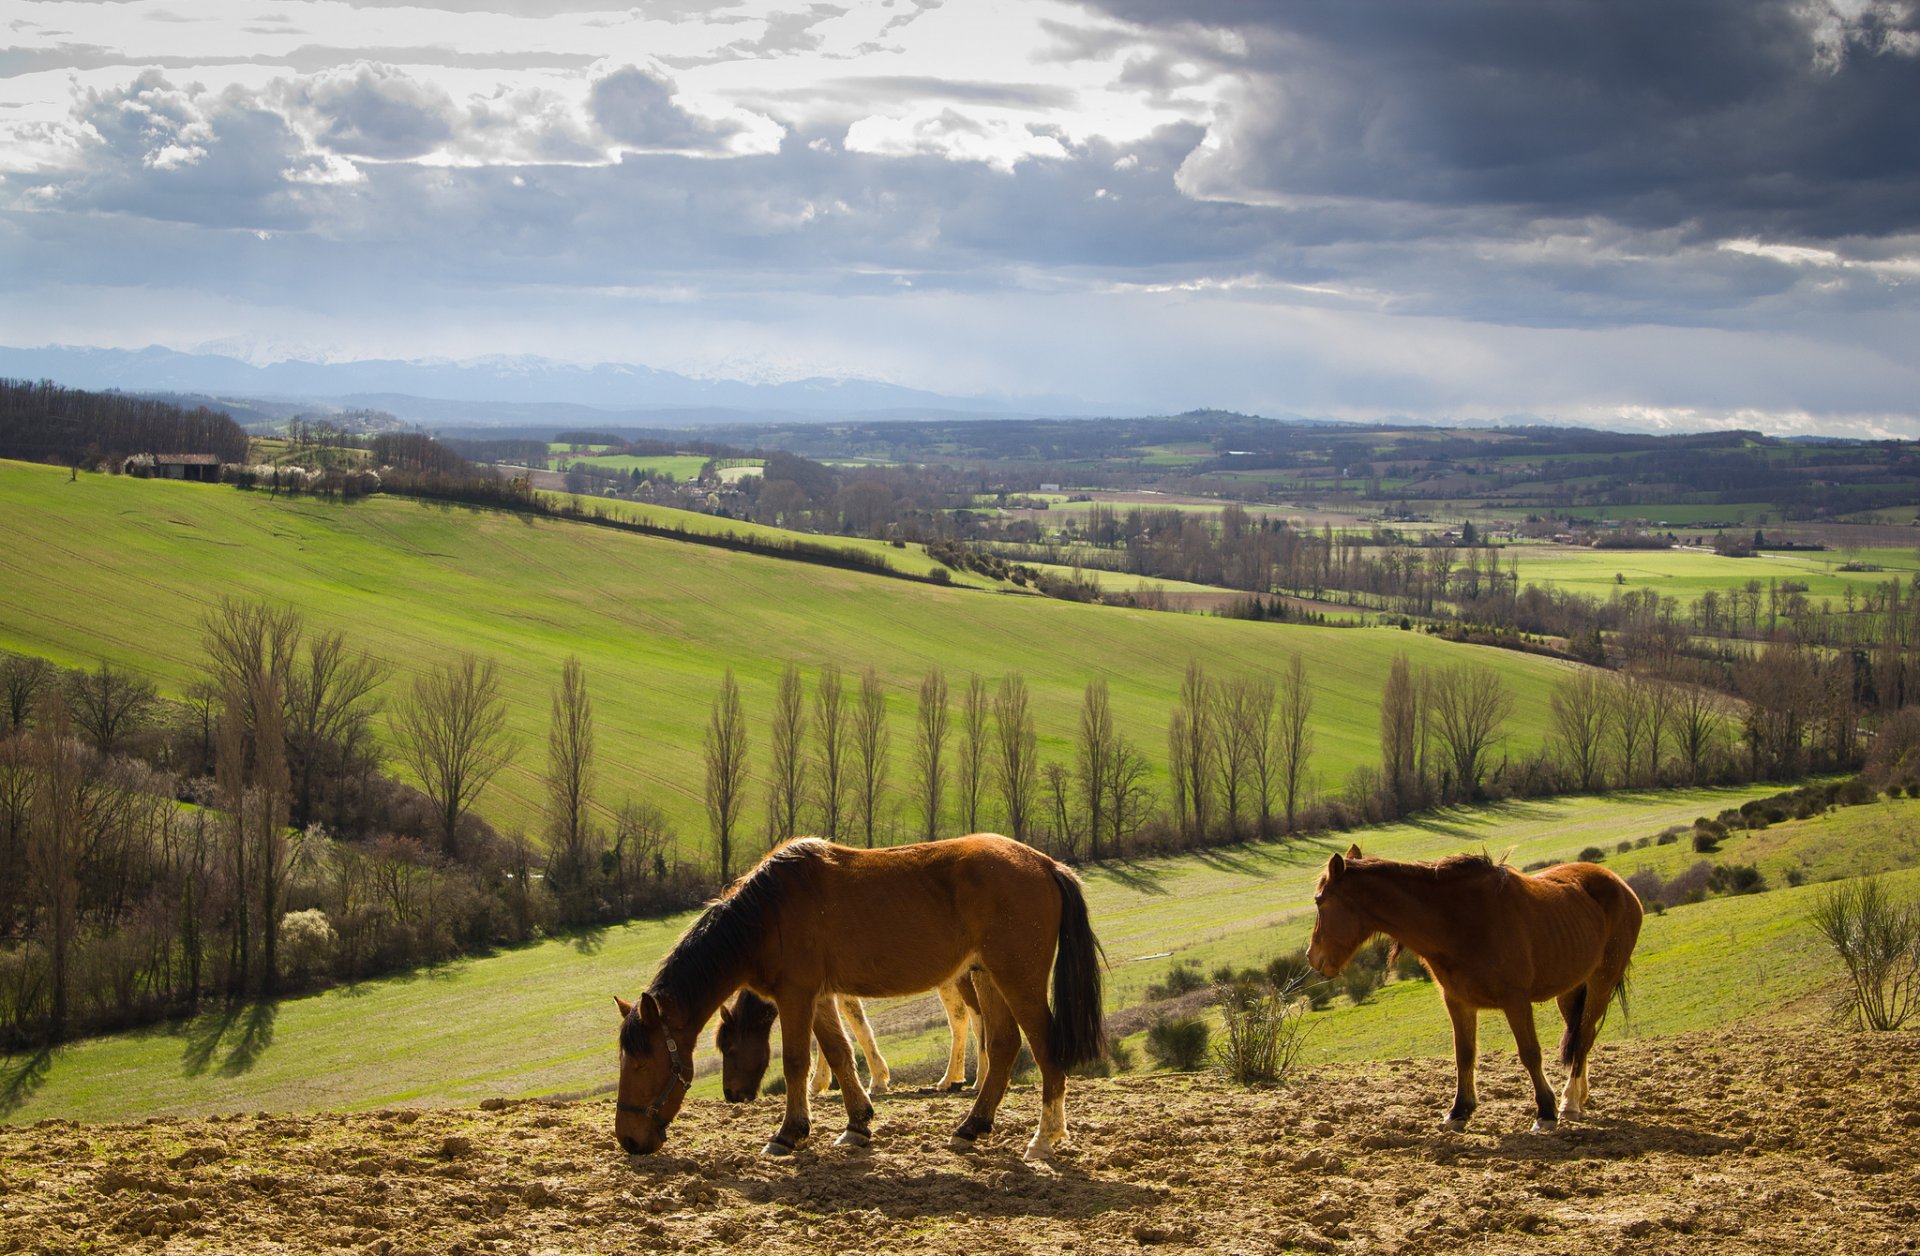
x: 1537, y: 865
x: 1705, y: 842
x: 1360, y: 981
x: 1592, y: 854
x: 1407, y: 967
x: 1646, y: 883
x: 1285, y: 971
x: 1668, y: 838
x: 1688, y: 887
x: 1796, y: 876
x: 1856, y: 792
x: 1623, y: 847
x: 1223, y: 975
x: 1878, y: 942
x: 1264, y: 1033
x: 1736, y: 879
x: 306, y: 944
x: 1178, y: 1043
x: 1182, y: 978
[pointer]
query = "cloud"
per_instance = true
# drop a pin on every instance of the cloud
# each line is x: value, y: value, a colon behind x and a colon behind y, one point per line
x: 638, y: 107
x: 373, y: 110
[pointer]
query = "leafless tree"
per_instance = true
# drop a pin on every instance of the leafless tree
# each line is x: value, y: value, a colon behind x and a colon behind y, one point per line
x: 929, y: 750
x: 570, y: 779
x: 55, y: 839
x: 1628, y: 719
x: 1263, y: 776
x: 330, y: 704
x: 830, y: 751
x: 872, y: 751
x: 1470, y: 708
x: 1193, y: 740
x: 1581, y: 704
x: 975, y: 708
x: 1400, y: 728
x: 108, y: 703
x: 452, y: 735
x: 786, y: 771
x: 1093, y: 761
x: 1662, y: 696
x: 1016, y: 763
x: 22, y: 680
x: 245, y: 640
x: 1294, y: 735
x: 1699, y: 721
x: 1129, y: 799
x: 726, y: 770
x: 1236, y: 726
x: 1059, y: 791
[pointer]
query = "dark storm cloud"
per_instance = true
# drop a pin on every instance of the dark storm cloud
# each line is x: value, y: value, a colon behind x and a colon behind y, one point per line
x: 1729, y: 116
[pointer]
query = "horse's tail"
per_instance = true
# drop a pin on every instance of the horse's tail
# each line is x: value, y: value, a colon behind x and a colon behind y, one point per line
x: 1076, y: 1028
x: 1569, y: 1041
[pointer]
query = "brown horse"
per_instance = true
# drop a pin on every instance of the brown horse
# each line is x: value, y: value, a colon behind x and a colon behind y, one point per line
x: 745, y: 1040
x: 814, y: 918
x: 1492, y: 938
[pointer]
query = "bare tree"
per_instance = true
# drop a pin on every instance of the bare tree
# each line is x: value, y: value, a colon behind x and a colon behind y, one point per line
x: 1093, y: 761
x: 1262, y: 764
x: 108, y: 703
x: 265, y: 808
x: 1194, y: 742
x: 1016, y: 765
x: 726, y: 770
x: 1059, y: 790
x: 786, y: 774
x: 872, y: 751
x: 1699, y: 721
x: 245, y: 640
x: 570, y: 776
x: 1629, y: 715
x: 1235, y: 724
x: 1129, y: 800
x: 22, y: 680
x: 55, y: 838
x: 1662, y: 696
x: 830, y: 750
x: 452, y: 735
x: 975, y: 708
x: 330, y: 705
x: 1581, y: 704
x: 929, y: 750
x: 1470, y: 708
x: 1400, y: 728
x: 1294, y: 735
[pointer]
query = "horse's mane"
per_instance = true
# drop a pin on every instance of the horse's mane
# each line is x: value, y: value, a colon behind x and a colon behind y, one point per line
x: 1449, y: 868
x: 725, y: 936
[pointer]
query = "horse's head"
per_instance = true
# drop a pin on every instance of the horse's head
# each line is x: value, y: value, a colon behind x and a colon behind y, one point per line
x: 1339, y: 928
x: 656, y: 1067
x: 745, y: 1040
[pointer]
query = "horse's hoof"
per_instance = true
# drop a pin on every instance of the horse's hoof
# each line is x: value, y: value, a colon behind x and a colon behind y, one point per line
x: 1453, y: 1125
x: 1037, y: 1150
x: 960, y: 1142
x: 775, y: 1147
x: 1541, y: 1126
x: 951, y: 1087
x: 1571, y: 1114
x: 853, y: 1138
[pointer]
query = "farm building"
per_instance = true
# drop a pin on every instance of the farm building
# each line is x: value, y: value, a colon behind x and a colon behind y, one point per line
x: 202, y: 467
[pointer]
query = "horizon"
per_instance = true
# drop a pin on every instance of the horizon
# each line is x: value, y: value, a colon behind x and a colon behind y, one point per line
x: 1646, y: 219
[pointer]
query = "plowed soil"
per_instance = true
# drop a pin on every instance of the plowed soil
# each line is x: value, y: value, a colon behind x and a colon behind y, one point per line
x: 1742, y: 1141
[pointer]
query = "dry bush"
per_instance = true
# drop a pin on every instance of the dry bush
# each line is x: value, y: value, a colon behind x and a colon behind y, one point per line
x: 1878, y: 942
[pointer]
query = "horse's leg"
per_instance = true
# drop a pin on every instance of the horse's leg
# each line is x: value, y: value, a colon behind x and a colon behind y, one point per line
x: 1599, y: 990
x: 838, y: 1054
x: 1520, y: 1018
x: 1572, y: 1010
x: 1466, y: 1051
x: 796, y: 1055
x: 1028, y: 1003
x: 1000, y: 1043
x: 855, y: 1012
x: 957, y: 1023
x: 823, y: 1075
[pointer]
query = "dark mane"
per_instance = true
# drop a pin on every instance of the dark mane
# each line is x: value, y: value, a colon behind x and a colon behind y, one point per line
x: 1449, y: 868
x: 723, y: 940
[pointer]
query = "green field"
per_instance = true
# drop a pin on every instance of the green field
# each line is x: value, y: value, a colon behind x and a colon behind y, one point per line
x: 540, y: 1019
x: 126, y: 569
x: 674, y: 466
x: 1686, y: 574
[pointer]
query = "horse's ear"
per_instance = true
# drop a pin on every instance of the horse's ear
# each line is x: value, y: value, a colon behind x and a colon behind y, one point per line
x: 649, y: 1008
x: 1353, y: 851
x: 726, y: 1013
x: 1335, y: 866
x: 626, y: 1008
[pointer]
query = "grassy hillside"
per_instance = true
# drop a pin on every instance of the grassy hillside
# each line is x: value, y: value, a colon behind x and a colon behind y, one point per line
x: 126, y: 569
x: 541, y: 1019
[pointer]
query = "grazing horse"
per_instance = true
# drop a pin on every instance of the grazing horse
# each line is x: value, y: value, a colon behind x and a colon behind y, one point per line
x: 813, y: 918
x: 1492, y: 938
x: 745, y: 1040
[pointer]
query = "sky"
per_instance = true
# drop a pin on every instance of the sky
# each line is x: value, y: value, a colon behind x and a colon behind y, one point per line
x: 1660, y: 214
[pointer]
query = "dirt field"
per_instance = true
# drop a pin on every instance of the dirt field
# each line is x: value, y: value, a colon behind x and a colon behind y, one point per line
x: 1739, y: 1141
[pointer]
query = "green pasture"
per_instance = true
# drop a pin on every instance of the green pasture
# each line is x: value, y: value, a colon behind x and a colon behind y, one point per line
x: 678, y: 467
x: 540, y: 1019
x: 1685, y: 574
x: 125, y: 569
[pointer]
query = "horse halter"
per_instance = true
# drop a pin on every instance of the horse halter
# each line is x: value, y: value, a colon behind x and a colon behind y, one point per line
x: 652, y: 1110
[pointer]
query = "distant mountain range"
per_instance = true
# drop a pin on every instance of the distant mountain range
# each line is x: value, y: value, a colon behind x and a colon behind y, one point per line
x: 494, y: 390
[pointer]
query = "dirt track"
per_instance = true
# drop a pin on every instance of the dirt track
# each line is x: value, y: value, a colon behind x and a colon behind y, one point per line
x: 1742, y: 1141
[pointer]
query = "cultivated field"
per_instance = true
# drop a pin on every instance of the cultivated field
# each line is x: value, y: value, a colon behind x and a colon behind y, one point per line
x: 126, y: 569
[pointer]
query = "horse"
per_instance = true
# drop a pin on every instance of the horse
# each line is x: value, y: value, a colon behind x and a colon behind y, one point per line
x: 745, y: 1040
x: 814, y: 918
x: 1492, y: 938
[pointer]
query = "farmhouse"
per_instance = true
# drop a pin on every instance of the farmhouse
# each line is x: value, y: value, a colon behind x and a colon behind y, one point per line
x: 201, y: 467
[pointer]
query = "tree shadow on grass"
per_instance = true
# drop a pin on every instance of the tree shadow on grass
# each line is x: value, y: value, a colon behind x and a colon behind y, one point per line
x: 238, y: 1034
x: 18, y: 1082
x: 1133, y: 876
